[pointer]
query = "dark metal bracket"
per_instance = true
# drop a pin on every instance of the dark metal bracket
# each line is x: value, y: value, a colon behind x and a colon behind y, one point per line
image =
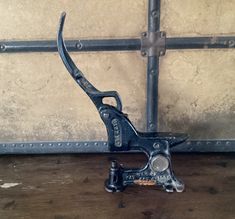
x: 153, y: 44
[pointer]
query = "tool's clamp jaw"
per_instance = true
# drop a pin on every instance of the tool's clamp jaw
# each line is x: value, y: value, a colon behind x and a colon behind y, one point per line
x: 122, y: 136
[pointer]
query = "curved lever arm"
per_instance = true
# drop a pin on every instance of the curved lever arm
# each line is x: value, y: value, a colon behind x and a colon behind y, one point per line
x: 95, y: 95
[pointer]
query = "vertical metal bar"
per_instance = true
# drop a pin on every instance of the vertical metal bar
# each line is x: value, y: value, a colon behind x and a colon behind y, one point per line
x: 154, y: 15
x: 153, y: 69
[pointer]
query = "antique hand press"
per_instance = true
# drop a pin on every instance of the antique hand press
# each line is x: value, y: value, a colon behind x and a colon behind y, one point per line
x: 122, y: 135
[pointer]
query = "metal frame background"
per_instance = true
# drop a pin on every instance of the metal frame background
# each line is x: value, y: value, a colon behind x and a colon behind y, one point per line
x: 216, y: 42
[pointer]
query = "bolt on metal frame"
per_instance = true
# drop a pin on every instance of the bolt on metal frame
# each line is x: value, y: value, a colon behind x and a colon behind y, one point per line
x: 156, y: 45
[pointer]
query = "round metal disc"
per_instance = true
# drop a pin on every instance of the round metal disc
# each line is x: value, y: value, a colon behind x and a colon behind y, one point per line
x: 159, y: 163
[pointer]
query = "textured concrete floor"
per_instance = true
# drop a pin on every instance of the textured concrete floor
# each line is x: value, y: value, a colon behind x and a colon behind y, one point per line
x: 39, y: 100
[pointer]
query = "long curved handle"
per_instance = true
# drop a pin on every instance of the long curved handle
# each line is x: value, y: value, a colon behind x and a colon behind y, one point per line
x: 95, y: 95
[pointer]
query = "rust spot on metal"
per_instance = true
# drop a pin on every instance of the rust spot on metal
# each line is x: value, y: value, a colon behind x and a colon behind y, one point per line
x: 142, y: 182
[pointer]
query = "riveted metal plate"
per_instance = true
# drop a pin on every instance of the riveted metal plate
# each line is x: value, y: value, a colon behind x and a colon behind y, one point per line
x: 153, y: 43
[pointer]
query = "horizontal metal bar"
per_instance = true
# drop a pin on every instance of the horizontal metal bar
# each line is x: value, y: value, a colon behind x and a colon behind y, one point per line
x: 72, y: 45
x: 116, y: 44
x: 70, y: 147
x: 205, y: 146
x: 215, y: 42
x: 54, y: 147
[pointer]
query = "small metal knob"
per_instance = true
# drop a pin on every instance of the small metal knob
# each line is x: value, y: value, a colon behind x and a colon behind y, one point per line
x: 114, y: 182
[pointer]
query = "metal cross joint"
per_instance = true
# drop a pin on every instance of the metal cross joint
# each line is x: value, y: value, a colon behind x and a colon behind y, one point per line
x: 122, y: 136
x: 153, y: 43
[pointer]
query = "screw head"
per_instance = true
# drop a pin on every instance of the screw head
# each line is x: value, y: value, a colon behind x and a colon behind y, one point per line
x: 105, y: 115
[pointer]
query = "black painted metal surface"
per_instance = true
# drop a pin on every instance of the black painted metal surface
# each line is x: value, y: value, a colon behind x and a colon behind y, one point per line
x: 59, y: 147
x: 122, y: 136
x: 152, y: 70
x: 72, y: 45
x: 81, y: 147
x: 215, y: 42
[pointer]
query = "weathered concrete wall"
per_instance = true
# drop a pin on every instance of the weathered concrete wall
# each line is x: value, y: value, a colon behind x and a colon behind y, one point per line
x: 40, y: 101
x: 197, y: 88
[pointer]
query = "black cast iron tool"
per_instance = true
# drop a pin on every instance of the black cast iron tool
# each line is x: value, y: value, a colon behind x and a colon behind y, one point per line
x: 122, y: 136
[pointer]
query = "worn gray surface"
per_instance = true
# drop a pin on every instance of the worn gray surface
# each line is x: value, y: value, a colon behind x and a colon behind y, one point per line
x: 39, y: 100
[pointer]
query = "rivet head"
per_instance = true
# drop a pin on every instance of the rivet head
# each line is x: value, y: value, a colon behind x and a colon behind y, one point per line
x: 105, y: 115
x: 144, y: 34
x: 231, y: 43
x: 151, y: 125
x: 144, y: 53
x: 162, y: 53
x: 163, y: 34
x: 156, y: 145
x: 79, y: 45
x: 2, y: 47
x: 155, y: 13
x: 152, y: 71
